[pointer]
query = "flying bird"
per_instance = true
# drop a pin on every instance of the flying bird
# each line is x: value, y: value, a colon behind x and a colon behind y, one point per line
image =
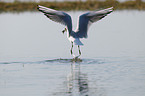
x: 85, y: 20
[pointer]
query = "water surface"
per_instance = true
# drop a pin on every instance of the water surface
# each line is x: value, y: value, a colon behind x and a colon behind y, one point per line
x: 35, y: 56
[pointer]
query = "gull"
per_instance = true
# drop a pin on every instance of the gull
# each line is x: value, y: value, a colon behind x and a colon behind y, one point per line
x: 85, y: 20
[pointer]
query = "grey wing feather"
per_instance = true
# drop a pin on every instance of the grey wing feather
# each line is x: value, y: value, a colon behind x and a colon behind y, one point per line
x: 85, y: 20
x: 57, y: 16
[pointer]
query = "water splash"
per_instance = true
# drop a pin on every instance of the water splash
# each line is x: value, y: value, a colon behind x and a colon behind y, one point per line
x: 60, y: 60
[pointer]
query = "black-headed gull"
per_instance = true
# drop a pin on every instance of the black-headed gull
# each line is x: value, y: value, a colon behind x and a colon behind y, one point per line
x: 85, y: 20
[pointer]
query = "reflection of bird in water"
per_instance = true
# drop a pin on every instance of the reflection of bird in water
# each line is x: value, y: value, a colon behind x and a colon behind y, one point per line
x: 85, y: 20
x: 77, y: 82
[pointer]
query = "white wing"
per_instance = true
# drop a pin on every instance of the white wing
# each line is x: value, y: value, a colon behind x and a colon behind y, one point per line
x: 57, y: 16
x: 85, y: 20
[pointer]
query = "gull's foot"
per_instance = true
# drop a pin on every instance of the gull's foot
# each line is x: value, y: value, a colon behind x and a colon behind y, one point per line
x: 76, y: 59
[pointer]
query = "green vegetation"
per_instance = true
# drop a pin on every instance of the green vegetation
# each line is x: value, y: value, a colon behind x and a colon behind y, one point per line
x: 76, y: 5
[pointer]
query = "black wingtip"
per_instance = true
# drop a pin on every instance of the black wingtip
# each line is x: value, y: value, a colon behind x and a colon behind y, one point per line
x: 38, y: 7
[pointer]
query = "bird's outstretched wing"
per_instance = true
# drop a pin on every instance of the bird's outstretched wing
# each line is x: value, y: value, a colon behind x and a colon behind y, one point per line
x: 85, y: 20
x: 57, y: 16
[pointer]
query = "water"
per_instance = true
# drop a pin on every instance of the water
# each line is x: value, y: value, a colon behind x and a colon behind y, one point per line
x: 35, y: 56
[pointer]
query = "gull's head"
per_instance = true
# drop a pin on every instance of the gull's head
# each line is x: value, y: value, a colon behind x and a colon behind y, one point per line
x: 65, y: 30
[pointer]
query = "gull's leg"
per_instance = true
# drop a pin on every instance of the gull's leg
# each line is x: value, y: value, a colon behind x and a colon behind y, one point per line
x: 79, y: 53
x: 72, y: 51
x: 71, y: 48
x: 79, y: 50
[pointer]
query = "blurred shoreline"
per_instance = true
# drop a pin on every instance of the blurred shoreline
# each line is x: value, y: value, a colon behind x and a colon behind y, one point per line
x: 71, y: 5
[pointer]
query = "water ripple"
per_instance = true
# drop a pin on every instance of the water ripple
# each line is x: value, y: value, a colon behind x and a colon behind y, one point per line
x: 78, y: 60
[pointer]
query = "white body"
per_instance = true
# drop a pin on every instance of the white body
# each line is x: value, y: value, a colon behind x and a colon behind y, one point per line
x: 76, y: 41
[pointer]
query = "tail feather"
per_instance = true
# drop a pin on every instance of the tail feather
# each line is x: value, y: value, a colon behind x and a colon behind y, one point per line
x: 78, y: 42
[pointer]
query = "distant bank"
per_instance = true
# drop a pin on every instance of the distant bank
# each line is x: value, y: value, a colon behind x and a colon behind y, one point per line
x: 76, y: 5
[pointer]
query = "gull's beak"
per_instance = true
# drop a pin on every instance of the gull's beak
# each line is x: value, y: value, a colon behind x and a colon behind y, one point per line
x: 64, y: 30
